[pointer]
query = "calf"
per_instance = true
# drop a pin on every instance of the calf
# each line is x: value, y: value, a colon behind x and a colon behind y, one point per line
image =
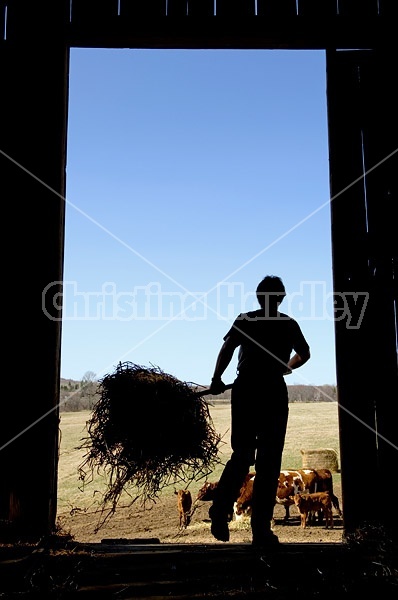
x: 314, y: 502
x: 184, y: 504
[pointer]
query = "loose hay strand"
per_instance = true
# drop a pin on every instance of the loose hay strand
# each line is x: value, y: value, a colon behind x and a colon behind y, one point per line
x: 147, y: 431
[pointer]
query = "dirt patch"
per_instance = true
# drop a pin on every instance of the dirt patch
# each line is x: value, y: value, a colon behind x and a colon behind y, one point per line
x: 161, y: 521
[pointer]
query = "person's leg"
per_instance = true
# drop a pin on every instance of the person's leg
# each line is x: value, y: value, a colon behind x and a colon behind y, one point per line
x: 231, y: 481
x: 270, y: 445
x: 238, y: 466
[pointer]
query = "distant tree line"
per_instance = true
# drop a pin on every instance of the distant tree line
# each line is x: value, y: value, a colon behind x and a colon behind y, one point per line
x: 79, y: 395
x: 297, y: 393
x: 82, y: 395
x: 312, y: 393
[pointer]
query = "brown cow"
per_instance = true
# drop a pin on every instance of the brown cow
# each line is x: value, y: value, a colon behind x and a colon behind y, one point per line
x: 242, y: 506
x: 184, y: 504
x: 305, y: 480
x: 290, y: 482
x: 324, y: 483
x: 206, y: 492
x: 312, y: 503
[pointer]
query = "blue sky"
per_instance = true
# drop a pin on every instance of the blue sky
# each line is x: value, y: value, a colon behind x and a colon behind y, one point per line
x: 192, y: 174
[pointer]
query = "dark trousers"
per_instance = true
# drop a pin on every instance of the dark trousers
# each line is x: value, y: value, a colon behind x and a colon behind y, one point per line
x: 259, y: 414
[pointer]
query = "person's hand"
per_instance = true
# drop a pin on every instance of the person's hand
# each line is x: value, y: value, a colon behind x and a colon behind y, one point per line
x: 217, y: 386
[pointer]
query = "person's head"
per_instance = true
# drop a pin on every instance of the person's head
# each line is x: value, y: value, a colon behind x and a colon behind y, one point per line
x: 270, y: 292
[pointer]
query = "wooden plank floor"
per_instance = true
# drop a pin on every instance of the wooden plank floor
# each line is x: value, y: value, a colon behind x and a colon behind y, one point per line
x: 159, y: 571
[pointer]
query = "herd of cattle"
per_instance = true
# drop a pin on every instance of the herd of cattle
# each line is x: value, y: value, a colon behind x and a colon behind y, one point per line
x: 310, y: 490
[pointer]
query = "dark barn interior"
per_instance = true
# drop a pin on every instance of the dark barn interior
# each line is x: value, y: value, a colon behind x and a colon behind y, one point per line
x: 360, y: 41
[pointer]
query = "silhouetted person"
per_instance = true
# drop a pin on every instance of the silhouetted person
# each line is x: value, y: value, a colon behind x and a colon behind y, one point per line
x: 259, y: 407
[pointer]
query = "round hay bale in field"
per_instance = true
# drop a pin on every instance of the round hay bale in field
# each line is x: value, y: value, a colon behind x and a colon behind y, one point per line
x: 320, y: 458
x: 147, y: 430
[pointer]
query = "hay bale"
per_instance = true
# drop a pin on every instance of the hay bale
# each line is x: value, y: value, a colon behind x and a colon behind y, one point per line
x: 320, y: 458
x: 147, y: 430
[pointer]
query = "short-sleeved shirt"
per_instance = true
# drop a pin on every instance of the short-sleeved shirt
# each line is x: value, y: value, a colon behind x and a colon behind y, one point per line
x: 266, y: 344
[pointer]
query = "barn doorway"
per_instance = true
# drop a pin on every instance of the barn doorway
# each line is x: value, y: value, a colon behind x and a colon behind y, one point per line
x: 190, y: 175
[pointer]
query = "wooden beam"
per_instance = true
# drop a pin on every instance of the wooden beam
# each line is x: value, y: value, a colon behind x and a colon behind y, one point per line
x: 235, y: 8
x: 380, y: 135
x: 276, y: 8
x: 256, y: 32
x: 200, y: 8
x: 360, y: 376
x: 34, y: 67
x: 348, y: 218
x: 93, y: 11
x: 317, y: 8
x: 358, y: 8
x: 177, y: 8
x: 136, y: 9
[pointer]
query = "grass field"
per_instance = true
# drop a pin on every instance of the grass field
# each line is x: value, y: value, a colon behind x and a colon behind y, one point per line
x: 311, y: 425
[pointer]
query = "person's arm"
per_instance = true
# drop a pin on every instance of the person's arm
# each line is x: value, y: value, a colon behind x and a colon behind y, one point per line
x: 297, y: 360
x: 301, y: 349
x: 223, y: 359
